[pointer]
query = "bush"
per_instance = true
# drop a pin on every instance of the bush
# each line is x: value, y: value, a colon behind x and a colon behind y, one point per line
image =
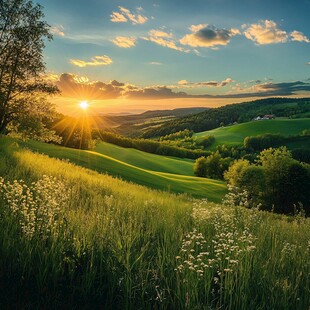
x: 200, y: 167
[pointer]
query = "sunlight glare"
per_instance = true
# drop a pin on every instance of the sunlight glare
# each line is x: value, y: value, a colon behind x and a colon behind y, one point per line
x: 84, y: 105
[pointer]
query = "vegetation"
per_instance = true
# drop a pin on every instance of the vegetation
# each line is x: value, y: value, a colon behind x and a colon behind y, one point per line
x: 229, y: 114
x: 149, y: 146
x: 277, y: 182
x: 154, y: 171
x: 261, y: 142
x: 23, y: 106
x: 114, y: 245
x: 234, y: 135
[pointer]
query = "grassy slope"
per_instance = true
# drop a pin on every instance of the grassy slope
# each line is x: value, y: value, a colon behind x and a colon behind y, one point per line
x: 145, y: 160
x: 235, y: 134
x: 122, y: 244
x: 164, y: 179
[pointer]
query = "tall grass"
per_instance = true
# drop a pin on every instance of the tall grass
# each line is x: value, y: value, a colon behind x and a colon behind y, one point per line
x: 100, y: 243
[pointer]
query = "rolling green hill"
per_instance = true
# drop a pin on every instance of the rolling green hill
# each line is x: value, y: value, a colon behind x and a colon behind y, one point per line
x: 235, y: 134
x: 239, y: 112
x: 156, y: 172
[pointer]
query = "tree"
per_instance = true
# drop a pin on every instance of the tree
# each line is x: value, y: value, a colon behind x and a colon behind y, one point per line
x: 22, y: 84
x: 200, y: 167
x: 235, y: 172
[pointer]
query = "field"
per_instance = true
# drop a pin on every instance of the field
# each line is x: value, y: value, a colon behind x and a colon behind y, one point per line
x: 80, y: 239
x: 235, y: 134
x: 159, y: 172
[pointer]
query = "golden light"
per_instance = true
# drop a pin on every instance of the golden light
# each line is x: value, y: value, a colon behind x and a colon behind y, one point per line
x: 84, y: 105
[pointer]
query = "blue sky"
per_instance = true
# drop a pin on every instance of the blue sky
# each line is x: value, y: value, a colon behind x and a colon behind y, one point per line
x: 139, y: 55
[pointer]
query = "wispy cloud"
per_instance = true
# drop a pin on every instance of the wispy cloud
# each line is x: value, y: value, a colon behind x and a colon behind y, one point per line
x: 124, y: 42
x: 165, y: 39
x: 58, y: 30
x: 223, y: 83
x: 204, y: 35
x: 155, y: 63
x: 95, y: 61
x: 124, y: 15
x: 299, y: 36
x: 265, y: 32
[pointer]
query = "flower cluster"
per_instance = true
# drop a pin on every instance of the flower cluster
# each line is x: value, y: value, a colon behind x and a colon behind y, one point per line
x: 235, y: 197
x: 222, y: 253
x: 38, y: 207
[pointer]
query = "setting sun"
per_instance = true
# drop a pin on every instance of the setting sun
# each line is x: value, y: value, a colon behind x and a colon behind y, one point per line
x: 84, y: 105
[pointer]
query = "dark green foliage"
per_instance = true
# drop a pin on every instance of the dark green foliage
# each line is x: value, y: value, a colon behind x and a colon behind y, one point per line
x: 279, y: 182
x: 200, y: 167
x: 223, y: 116
x: 302, y: 155
x: 23, y: 34
x: 207, y: 141
x: 150, y: 146
x: 261, y: 142
x: 216, y: 165
x: 178, y: 135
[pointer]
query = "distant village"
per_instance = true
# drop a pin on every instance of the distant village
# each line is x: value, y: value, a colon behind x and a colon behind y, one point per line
x: 267, y: 116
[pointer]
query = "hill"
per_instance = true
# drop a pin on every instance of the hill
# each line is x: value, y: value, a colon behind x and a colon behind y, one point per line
x: 73, y: 238
x: 154, y: 171
x: 235, y: 134
x: 134, y: 124
x: 229, y: 114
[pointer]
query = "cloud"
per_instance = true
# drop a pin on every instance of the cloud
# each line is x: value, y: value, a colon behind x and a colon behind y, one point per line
x: 268, y: 89
x: 58, y: 30
x: 124, y: 15
x: 299, y: 36
x: 75, y: 86
x: 204, y: 35
x: 124, y: 42
x: 95, y: 61
x: 117, y: 17
x: 80, y: 87
x: 206, y: 84
x: 265, y: 32
x: 155, y: 63
x: 165, y: 39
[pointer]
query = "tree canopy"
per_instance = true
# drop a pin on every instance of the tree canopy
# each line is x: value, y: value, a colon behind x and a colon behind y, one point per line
x: 22, y: 84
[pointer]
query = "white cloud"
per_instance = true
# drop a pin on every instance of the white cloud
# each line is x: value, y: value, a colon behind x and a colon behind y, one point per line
x: 124, y: 42
x: 163, y: 38
x: 204, y: 35
x: 125, y: 15
x: 299, y: 36
x: 95, y: 61
x: 58, y: 30
x: 265, y: 32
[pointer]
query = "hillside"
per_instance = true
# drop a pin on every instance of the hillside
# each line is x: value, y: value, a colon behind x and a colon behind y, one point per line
x: 235, y: 134
x: 150, y: 170
x: 134, y: 124
x: 80, y: 239
x: 241, y: 112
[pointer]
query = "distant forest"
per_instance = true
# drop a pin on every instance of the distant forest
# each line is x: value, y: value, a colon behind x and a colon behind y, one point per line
x: 229, y: 114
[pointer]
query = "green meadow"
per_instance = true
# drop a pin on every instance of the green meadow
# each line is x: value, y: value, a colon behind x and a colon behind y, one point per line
x: 75, y: 238
x: 158, y: 172
x: 235, y: 134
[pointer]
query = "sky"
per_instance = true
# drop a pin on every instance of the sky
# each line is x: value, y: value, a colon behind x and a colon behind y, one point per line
x: 132, y: 56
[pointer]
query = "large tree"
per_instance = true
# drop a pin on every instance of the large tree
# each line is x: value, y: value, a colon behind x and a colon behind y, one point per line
x: 23, y: 33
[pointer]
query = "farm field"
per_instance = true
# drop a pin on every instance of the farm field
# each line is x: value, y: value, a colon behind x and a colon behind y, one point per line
x: 235, y: 134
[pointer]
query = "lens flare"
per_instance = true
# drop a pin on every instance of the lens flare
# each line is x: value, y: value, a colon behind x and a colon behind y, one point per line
x: 84, y: 105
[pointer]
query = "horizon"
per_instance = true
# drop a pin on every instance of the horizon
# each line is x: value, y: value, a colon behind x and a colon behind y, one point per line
x: 137, y: 56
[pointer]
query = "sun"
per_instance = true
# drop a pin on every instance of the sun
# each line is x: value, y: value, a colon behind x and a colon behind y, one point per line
x: 84, y: 105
